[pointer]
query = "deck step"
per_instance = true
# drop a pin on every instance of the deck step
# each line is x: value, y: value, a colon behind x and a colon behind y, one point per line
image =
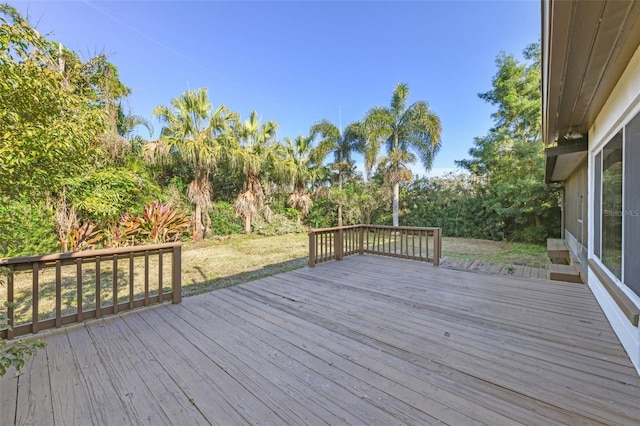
x: 558, y: 249
x: 559, y: 272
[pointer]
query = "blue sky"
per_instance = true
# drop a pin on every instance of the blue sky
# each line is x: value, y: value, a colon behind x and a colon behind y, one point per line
x: 298, y: 62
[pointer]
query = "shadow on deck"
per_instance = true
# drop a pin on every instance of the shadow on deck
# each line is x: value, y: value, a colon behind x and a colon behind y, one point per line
x: 368, y: 340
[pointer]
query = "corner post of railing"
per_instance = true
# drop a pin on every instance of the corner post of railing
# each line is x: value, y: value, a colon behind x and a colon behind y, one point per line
x: 361, y: 240
x: 312, y: 249
x: 176, y: 274
x: 339, y: 243
x: 437, y: 246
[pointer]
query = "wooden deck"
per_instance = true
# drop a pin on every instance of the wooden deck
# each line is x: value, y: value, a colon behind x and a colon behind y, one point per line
x: 368, y: 340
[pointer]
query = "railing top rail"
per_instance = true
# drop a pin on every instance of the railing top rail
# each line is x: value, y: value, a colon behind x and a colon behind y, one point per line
x: 402, y: 228
x: 335, y: 228
x: 87, y: 253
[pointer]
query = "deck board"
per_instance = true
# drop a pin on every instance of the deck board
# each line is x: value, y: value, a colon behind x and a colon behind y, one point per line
x: 367, y: 340
x: 391, y: 396
x: 70, y: 401
x: 459, y: 349
x: 8, y: 399
x: 106, y: 405
x: 33, y: 404
x: 429, y: 323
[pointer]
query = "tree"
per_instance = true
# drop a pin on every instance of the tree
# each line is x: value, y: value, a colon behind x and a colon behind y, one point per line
x: 510, y: 158
x: 341, y: 144
x: 57, y: 123
x: 54, y: 109
x: 254, y: 153
x: 126, y: 125
x: 408, y: 133
x: 300, y: 165
x: 194, y: 133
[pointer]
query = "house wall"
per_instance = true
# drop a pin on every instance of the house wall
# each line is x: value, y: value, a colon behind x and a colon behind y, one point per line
x: 622, y: 105
x: 575, y: 204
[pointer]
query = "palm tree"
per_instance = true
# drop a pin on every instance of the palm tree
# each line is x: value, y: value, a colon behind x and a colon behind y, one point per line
x: 342, y: 144
x: 127, y: 123
x: 300, y: 166
x: 194, y: 133
x: 254, y: 153
x: 408, y: 133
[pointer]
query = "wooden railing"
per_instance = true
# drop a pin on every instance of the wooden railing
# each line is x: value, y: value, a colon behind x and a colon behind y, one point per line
x: 401, y: 241
x: 87, y: 284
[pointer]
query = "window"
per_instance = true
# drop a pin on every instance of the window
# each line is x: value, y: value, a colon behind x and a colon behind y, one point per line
x: 616, y: 236
x: 632, y: 204
x: 612, y: 205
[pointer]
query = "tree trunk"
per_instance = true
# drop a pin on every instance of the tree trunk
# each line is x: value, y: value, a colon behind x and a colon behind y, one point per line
x: 198, y: 222
x: 396, y: 202
x: 247, y: 224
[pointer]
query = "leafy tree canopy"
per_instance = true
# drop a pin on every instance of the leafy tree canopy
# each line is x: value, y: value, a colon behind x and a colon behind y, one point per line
x: 510, y: 158
x: 55, y: 108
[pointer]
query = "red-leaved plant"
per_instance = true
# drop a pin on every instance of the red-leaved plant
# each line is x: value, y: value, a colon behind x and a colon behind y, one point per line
x: 83, y: 237
x: 160, y: 223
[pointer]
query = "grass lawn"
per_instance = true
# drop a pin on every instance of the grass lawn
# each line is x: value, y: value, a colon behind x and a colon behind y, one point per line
x: 500, y: 252
x: 223, y: 262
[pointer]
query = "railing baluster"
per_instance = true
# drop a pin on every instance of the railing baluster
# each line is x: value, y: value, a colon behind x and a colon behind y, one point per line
x: 79, y: 295
x: 131, y: 280
x: 160, y: 286
x: 35, y: 271
x: 362, y: 233
x: 413, y: 244
x: 437, y: 237
x: 115, y: 283
x: 10, y: 311
x: 98, y: 285
x: 312, y: 250
x: 58, y: 294
x: 426, y: 243
x: 176, y: 274
x: 146, y: 278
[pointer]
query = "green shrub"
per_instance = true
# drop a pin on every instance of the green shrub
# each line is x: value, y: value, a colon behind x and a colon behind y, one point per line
x: 322, y: 214
x: 292, y: 214
x: 279, y: 225
x: 535, y: 234
x: 27, y: 229
x: 103, y: 196
x: 224, y: 220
